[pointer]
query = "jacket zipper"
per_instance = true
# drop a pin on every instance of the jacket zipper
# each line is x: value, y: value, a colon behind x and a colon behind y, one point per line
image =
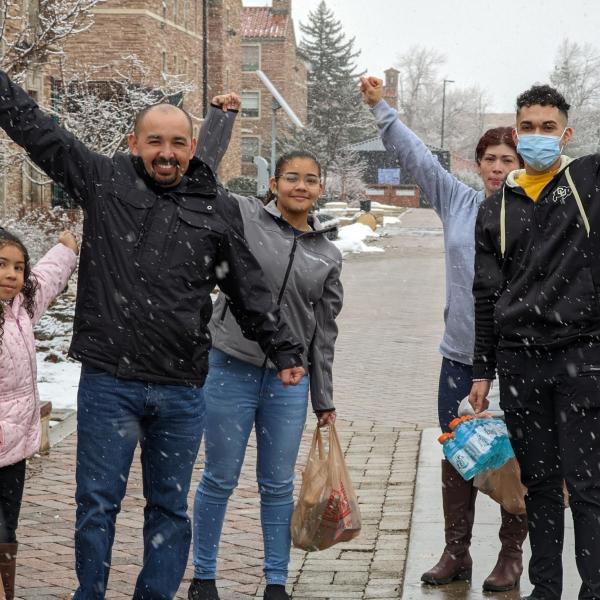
x: 142, y: 233
x: 288, y: 270
x: 224, y: 311
x: 285, y: 280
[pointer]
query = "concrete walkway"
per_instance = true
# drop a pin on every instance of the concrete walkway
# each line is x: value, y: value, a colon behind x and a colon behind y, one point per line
x: 386, y: 375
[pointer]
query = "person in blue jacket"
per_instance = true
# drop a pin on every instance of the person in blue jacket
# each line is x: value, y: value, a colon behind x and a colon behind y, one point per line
x: 456, y: 204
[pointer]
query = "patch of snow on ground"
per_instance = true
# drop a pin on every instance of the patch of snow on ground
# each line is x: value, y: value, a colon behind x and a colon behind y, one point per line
x: 351, y: 239
x: 390, y: 221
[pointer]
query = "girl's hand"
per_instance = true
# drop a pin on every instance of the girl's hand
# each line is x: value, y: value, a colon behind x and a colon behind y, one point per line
x: 327, y: 418
x: 227, y: 102
x: 68, y: 239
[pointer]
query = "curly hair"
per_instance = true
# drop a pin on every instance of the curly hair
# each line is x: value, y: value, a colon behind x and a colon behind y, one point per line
x: 544, y: 95
x: 30, y: 284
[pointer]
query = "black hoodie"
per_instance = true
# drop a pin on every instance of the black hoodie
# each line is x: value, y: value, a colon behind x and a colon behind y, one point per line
x: 543, y: 291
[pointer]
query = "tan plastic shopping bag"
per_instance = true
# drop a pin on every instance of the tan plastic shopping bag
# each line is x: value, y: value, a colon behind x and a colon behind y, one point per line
x: 504, y: 486
x: 327, y: 510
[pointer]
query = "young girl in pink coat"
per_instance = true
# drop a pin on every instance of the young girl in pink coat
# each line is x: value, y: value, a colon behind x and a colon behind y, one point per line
x: 25, y: 294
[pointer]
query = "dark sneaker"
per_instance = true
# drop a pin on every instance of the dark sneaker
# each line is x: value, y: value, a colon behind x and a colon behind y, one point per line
x: 203, y: 589
x: 275, y: 592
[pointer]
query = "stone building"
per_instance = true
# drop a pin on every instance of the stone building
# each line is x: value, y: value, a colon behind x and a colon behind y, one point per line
x: 169, y: 36
x: 269, y: 44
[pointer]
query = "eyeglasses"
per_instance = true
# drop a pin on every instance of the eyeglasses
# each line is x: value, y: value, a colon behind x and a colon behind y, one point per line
x: 294, y: 179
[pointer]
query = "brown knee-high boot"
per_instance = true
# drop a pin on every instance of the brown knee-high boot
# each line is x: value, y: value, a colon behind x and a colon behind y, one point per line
x: 507, y: 572
x: 8, y: 568
x: 458, y: 498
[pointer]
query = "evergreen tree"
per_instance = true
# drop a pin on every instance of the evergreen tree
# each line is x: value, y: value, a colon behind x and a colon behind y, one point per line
x: 336, y: 115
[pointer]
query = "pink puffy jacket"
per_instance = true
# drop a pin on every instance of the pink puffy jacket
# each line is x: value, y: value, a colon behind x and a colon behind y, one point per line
x: 20, y: 430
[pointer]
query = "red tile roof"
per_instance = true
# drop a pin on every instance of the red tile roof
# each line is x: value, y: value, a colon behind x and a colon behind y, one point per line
x: 260, y: 22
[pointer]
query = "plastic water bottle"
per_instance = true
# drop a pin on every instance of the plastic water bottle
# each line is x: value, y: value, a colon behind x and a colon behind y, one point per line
x: 475, y: 440
x: 458, y: 457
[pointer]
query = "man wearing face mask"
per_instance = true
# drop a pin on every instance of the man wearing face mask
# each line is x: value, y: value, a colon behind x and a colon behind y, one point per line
x: 537, y: 322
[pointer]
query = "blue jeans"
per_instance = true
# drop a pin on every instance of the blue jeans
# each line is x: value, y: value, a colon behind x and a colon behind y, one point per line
x: 455, y: 383
x: 239, y: 395
x: 112, y: 416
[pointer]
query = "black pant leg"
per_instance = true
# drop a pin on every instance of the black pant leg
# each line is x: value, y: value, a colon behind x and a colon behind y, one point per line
x: 527, y: 398
x: 578, y: 418
x: 12, y: 482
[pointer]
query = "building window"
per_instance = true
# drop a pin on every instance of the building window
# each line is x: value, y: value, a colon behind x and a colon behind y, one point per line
x: 250, y: 148
x: 175, y: 10
x: 164, y: 62
x: 251, y: 104
x: 175, y: 64
x: 250, y: 57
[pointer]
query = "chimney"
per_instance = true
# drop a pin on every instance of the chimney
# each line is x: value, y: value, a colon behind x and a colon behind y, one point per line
x: 390, y: 91
x: 281, y: 7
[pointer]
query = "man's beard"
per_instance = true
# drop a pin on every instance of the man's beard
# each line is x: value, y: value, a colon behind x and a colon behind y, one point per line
x: 166, y: 163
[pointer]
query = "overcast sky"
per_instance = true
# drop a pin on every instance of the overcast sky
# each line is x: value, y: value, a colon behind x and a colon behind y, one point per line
x: 503, y: 45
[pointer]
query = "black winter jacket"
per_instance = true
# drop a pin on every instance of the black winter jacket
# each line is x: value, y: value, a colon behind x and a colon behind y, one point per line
x: 543, y: 291
x: 150, y: 257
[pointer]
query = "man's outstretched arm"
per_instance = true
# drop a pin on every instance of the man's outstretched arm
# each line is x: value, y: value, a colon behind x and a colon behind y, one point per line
x: 57, y: 152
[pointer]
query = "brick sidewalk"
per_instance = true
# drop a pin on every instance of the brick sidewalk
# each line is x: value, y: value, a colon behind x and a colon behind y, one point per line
x: 385, y: 376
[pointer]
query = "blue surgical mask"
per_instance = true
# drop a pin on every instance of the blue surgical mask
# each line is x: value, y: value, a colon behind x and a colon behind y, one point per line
x: 540, y: 151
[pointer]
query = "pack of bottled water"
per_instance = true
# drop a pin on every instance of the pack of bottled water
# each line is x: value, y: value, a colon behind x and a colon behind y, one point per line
x: 476, y: 445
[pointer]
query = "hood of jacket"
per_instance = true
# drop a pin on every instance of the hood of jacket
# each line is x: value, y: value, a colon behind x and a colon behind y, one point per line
x: 511, y: 179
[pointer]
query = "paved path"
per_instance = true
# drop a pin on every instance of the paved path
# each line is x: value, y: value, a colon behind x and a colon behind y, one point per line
x: 386, y: 380
x: 387, y: 364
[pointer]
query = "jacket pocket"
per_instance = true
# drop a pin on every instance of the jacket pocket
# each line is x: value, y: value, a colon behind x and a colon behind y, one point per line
x: 460, y: 318
x: 570, y: 299
x: 583, y: 389
x: 195, y: 239
x: 515, y: 385
x: 134, y: 197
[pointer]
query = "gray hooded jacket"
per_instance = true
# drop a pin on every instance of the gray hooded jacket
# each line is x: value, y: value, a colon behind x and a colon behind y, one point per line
x: 301, y: 270
x: 456, y: 204
x: 303, y: 273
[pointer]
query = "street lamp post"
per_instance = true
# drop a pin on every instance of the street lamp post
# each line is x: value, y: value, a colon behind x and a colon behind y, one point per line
x: 444, y: 110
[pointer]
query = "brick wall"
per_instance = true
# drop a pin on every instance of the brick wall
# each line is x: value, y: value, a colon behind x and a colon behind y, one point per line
x: 401, y: 195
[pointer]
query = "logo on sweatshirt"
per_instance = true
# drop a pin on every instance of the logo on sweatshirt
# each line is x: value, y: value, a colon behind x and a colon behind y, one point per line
x: 560, y: 194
